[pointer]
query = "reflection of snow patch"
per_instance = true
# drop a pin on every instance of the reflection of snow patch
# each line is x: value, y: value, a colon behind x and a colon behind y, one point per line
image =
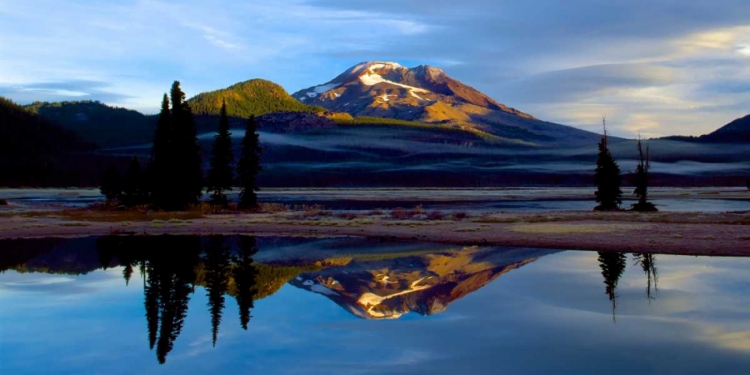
x: 370, y: 300
x: 298, y: 278
x: 323, y: 290
x: 385, y: 97
x: 308, y: 283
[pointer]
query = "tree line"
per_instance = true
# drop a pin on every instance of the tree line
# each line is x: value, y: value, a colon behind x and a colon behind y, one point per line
x: 173, y: 179
x: 169, y: 280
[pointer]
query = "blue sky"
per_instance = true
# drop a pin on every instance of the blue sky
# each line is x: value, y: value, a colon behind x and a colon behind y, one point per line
x: 654, y: 66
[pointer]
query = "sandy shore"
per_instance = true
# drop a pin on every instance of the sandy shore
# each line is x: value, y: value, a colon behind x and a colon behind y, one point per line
x: 671, y: 233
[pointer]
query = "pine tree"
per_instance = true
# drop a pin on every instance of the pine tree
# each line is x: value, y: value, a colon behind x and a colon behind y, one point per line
x: 641, y: 182
x: 159, y: 181
x: 607, y: 177
x: 245, y: 275
x: 111, y: 185
x: 217, y: 280
x: 186, y: 160
x: 613, y: 266
x: 249, y: 166
x: 220, y: 174
x: 133, y: 189
x: 176, y: 159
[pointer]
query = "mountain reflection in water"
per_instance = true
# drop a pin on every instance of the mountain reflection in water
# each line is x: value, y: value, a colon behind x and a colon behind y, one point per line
x: 368, y: 281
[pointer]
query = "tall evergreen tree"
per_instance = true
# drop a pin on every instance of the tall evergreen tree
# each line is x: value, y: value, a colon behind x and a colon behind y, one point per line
x: 133, y: 189
x: 648, y: 264
x: 249, y: 166
x: 176, y: 159
x: 217, y: 280
x: 111, y: 186
x: 245, y: 274
x: 607, y: 177
x: 159, y: 179
x: 612, y: 265
x: 641, y: 182
x: 186, y: 164
x: 220, y: 175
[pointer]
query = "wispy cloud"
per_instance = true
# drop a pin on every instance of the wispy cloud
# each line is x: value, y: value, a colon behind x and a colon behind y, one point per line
x: 650, y: 65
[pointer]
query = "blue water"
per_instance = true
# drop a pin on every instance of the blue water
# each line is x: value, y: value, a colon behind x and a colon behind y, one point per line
x: 535, y: 312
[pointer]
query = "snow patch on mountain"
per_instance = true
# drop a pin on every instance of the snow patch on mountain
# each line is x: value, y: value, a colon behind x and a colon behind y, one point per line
x: 324, y: 88
x: 371, y: 78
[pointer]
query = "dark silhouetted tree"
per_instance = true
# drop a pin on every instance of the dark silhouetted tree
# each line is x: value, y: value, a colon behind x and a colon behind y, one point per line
x: 187, y: 165
x: 648, y: 264
x: 612, y: 265
x: 176, y: 159
x: 176, y: 277
x: 245, y: 273
x: 220, y: 174
x: 249, y: 166
x: 133, y: 185
x: 217, y: 280
x: 160, y: 157
x: 640, y: 180
x: 607, y: 177
x: 111, y: 186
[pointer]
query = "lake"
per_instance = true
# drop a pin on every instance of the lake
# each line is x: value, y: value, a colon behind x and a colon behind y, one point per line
x: 275, y: 305
x: 708, y: 200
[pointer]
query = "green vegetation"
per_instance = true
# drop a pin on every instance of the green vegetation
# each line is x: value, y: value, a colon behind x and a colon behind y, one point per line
x: 250, y: 98
x: 607, y: 177
x: 220, y: 174
x: 454, y: 128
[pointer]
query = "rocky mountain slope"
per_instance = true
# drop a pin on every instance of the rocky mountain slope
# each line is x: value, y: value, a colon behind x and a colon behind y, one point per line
x: 426, y: 94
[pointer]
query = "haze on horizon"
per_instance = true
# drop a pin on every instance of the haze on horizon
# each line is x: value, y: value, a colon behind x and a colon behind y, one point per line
x: 656, y: 67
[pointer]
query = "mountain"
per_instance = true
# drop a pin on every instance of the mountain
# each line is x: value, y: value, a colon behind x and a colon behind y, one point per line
x: 255, y: 97
x: 734, y: 132
x: 33, y: 150
x: 97, y: 122
x: 425, y: 284
x: 737, y: 131
x: 426, y: 94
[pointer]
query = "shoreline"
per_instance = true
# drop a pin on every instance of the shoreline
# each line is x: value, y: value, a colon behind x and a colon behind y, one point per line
x: 726, y: 234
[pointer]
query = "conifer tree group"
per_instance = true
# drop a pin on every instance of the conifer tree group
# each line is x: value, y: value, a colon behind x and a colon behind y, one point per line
x: 607, y: 177
x: 173, y: 179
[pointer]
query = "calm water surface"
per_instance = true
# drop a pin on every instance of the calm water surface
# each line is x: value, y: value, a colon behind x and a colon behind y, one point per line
x: 125, y: 305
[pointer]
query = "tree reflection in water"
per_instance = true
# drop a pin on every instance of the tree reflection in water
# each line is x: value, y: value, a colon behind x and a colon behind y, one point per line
x: 648, y: 264
x: 171, y: 267
x: 612, y: 266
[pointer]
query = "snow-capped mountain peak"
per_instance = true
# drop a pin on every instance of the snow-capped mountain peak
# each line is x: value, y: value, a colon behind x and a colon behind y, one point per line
x: 388, y: 89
